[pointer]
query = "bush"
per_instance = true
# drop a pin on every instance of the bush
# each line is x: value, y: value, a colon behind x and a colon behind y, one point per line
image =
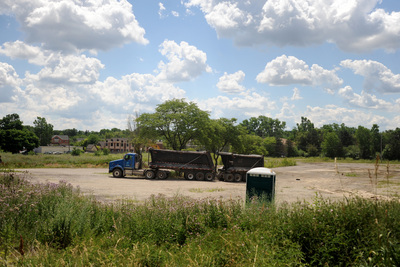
x: 106, y: 151
x: 76, y: 151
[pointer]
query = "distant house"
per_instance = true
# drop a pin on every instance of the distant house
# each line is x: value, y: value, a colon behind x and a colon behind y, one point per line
x: 91, y: 148
x: 117, y: 145
x: 60, y: 140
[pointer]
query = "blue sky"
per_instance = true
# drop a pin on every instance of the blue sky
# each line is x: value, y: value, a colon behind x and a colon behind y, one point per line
x: 92, y: 64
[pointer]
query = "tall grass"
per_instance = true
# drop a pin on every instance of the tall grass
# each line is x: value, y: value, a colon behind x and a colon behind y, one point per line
x: 54, y: 224
x: 15, y: 161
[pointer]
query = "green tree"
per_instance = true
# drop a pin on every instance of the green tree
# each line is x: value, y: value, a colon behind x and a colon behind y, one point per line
x: 43, y: 130
x: 138, y: 140
x: 308, y: 138
x: 392, y: 147
x: 290, y: 149
x: 269, y: 144
x: 363, y: 136
x: 14, y: 137
x: 176, y: 121
x: 11, y: 121
x: 264, y: 126
x: 250, y: 144
x: 216, y: 135
x: 376, y: 139
x: 331, y: 146
x: 346, y: 135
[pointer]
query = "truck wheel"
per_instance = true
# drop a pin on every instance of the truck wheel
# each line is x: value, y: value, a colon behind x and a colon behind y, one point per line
x: 189, y: 175
x: 209, y: 176
x: 237, y: 177
x: 150, y: 174
x: 228, y: 177
x: 117, y: 172
x: 161, y: 175
x: 200, y: 176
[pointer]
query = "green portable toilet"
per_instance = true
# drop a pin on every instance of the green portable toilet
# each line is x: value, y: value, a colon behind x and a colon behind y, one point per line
x: 260, y: 182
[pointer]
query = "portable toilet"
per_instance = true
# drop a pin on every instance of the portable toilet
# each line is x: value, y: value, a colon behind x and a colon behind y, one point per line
x: 260, y: 182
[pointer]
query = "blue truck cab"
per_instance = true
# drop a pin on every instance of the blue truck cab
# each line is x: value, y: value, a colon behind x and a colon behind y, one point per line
x: 120, y: 166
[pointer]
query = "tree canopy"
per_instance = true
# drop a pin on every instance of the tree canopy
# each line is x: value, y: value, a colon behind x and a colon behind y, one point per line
x: 43, y: 130
x: 14, y: 137
x: 176, y: 121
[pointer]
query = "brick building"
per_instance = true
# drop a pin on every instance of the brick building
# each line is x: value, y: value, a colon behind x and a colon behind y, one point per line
x: 61, y: 140
x: 117, y: 145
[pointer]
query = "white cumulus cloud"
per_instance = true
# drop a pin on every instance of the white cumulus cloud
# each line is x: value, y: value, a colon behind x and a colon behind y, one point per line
x: 246, y: 104
x: 364, y: 100
x: 76, y: 25
x: 350, y: 117
x: 286, y: 70
x: 9, y: 82
x: 377, y: 76
x: 354, y: 25
x: 186, y: 62
x: 230, y: 83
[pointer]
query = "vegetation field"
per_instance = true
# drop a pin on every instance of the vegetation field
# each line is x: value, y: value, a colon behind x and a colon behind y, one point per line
x: 17, y: 161
x: 56, y: 225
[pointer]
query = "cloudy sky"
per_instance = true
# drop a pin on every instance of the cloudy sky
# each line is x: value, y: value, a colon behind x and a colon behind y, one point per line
x: 89, y: 64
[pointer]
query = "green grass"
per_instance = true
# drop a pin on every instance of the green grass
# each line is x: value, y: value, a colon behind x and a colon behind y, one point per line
x: 15, y: 161
x: 61, y: 227
x: 279, y: 162
x: 342, y: 160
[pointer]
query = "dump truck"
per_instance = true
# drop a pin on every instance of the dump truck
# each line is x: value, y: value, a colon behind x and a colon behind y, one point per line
x: 193, y: 164
x: 235, y: 166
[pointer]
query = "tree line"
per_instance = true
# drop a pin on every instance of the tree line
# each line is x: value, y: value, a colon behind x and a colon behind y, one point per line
x: 183, y: 125
x: 179, y: 123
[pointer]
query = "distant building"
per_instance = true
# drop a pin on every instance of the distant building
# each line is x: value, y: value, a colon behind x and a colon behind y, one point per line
x: 91, y: 148
x: 117, y: 145
x: 60, y: 140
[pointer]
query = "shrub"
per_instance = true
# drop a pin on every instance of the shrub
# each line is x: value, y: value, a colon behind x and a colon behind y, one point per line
x: 106, y: 151
x: 76, y: 151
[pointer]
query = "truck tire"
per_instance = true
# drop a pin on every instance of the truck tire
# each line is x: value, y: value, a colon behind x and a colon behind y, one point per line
x: 209, y: 176
x: 228, y: 177
x: 150, y: 174
x: 237, y: 177
x: 161, y: 175
x: 189, y: 176
x: 118, y: 173
x: 200, y: 176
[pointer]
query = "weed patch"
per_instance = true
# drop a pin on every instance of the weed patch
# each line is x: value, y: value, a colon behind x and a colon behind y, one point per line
x: 59, y: 226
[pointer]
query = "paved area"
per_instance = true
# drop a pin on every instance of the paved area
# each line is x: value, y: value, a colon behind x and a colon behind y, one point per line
x: 297, y: 183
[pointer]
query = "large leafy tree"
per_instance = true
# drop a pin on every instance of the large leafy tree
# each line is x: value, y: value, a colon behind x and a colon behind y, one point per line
x: 392, y: 148
x: 264, y: 126
x: 363, y: 136
x: 43, y: 130
x: 250, y: 144
x: 376, y: 140
x: 216, y: 135
x: 176, y: 121
x: 14, y: 137
x: 11, y: 121
x: 308, y: 138
x: 331, y: 146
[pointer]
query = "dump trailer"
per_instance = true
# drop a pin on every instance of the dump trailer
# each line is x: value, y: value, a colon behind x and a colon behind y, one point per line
x: 236, y: 166
x: 194, y: 165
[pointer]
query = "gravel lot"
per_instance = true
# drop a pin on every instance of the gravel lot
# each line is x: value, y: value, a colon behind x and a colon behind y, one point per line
x: 297, y: 183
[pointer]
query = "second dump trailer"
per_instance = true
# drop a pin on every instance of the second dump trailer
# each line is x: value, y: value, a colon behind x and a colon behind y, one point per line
x: 237, y: 165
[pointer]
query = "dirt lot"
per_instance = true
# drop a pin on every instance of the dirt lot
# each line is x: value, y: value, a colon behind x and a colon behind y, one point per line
x: 302, y: 182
